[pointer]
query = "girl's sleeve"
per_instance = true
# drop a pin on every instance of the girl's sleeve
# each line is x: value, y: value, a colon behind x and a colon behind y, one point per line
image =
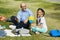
x: 42, y: 20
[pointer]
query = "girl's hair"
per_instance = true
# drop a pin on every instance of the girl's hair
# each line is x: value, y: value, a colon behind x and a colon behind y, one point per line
x: 41, y: 10
x: 37, y: 14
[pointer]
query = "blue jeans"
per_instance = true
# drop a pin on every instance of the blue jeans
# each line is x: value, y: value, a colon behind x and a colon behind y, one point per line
x: 19, y: 25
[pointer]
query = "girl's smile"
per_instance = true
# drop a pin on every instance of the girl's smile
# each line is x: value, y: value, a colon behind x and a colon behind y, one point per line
x: 39, y: 13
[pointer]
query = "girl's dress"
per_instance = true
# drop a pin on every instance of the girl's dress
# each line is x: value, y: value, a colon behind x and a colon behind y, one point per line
x: 40, y: 21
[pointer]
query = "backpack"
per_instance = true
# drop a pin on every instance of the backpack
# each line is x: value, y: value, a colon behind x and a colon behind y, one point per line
x: 55, y: 33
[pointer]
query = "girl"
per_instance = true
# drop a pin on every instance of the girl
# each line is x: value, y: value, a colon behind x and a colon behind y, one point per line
x: 40, y: 25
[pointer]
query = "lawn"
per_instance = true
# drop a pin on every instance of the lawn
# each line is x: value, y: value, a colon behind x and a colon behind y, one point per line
x: 11, y: 7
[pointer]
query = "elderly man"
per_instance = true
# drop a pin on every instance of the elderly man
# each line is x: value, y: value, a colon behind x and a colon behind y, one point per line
x: 23, y: 16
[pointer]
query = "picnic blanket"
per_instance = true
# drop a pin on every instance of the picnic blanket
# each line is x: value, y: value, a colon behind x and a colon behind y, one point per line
x: 9, y: 33
x: 23, y: 32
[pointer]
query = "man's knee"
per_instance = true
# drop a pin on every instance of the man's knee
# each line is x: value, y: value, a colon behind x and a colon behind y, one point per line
x: 13, y: 18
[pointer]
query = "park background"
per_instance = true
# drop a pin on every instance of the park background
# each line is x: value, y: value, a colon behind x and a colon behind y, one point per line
x: 51, y: 7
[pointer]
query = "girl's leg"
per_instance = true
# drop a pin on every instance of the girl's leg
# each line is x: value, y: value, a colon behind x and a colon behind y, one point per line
x: 42, y: 30
x: 33, y: 29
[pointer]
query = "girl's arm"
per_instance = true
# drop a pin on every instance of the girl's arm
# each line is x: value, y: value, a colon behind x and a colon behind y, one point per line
x: 41, y: 25
x: 42, y: 22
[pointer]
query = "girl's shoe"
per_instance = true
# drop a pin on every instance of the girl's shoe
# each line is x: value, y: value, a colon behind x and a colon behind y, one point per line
x: 37, y: 32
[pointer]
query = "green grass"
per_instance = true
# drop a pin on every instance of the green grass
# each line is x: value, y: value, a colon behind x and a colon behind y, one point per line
x: 11, y: 7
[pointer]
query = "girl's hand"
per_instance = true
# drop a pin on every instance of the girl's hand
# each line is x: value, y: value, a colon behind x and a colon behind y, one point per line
x: 40, y: 26
x: 34, y: 24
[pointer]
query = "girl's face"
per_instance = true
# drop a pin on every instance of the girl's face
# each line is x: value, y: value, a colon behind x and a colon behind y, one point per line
x: 39, y: 13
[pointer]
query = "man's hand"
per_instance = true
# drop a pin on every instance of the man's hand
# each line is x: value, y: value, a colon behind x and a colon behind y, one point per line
x: 26, y: 21
x: 2, y: 18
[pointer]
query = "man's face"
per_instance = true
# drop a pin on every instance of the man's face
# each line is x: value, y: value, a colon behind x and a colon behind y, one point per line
x: 23, y: 7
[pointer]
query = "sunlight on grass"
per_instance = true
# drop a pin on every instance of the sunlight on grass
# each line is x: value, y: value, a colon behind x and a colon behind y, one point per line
x: 11, y: 7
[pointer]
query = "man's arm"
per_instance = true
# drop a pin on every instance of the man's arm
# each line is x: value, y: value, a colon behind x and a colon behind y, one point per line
x: 26, y: 21
x: 18, y: 16
x: 30, y: 14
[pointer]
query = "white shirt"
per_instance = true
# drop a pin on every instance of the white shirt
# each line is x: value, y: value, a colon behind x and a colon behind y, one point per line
x: 42, y: 20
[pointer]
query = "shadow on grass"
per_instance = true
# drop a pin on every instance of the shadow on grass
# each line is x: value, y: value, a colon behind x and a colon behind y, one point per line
x: 56, y: 6
x: 3, y: 2
x: 29, y: 0
x: 48, y: 5
x: 21, y: 0
x: 54, y: 15
x: 6, y: 24
x: 6, y: 10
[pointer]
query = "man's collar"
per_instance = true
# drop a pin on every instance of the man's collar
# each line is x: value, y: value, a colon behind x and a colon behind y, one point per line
x: 24, y: 11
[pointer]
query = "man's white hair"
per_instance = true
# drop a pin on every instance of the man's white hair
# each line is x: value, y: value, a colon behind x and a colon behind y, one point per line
x: 23, y: 4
